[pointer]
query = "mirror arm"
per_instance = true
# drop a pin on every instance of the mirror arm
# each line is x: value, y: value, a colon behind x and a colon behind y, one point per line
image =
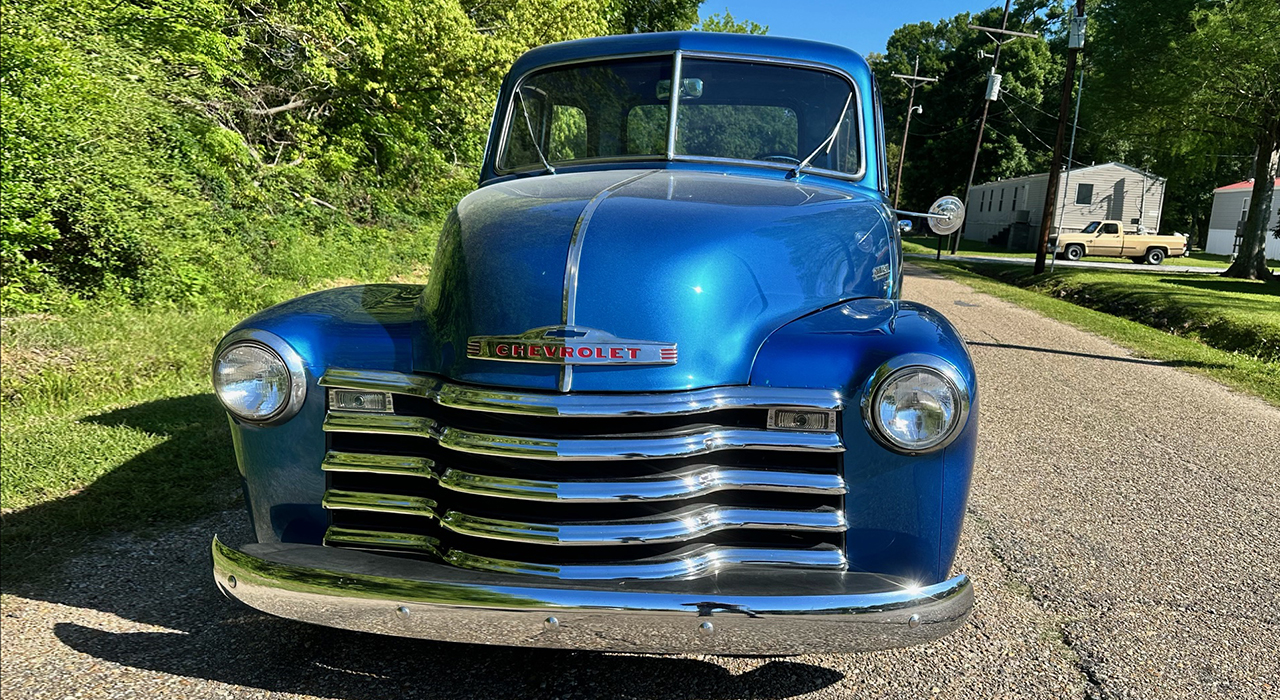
x: 904, y: 212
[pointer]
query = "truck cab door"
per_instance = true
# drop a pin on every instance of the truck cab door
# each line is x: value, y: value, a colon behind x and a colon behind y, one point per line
x: 1109, y: 241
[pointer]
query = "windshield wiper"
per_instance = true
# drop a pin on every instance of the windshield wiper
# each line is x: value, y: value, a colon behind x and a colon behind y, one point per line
x: 827, y: 143
x: 534, y: 139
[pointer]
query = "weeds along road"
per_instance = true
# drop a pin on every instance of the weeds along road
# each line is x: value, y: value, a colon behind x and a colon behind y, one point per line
x: 1122, y: 534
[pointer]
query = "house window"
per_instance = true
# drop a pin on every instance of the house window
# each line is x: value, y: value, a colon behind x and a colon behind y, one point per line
x: 1084, y: 194
x: 982, y: 201
x: 1014, y: 207
x: 1244, y: 209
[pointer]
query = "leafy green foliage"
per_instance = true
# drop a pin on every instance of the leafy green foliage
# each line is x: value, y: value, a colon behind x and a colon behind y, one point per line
x: 943, y: 135
x: 225, y: 151
x: 1189, y: 81
x: 639, y: 16
x: 728, y: 24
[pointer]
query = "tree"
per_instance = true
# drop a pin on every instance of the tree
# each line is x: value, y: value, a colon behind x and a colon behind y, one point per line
x: 942, y: 136
x: 640, y: 16
x: 1193, y: 75
x: 727, y: 23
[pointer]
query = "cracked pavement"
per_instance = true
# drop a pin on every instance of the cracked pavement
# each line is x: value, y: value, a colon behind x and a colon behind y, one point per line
x: 1122, y: 534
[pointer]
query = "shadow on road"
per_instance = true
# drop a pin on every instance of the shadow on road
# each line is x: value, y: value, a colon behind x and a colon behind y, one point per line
x: 1091, y: 356
x: 162, y: 580
x: 189, y: 475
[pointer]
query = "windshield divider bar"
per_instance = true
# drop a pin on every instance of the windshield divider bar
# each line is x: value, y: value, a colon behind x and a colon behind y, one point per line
x: 675, y: 105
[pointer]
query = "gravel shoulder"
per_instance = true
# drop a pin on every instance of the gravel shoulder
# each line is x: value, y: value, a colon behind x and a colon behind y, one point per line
x: 1121, y: 532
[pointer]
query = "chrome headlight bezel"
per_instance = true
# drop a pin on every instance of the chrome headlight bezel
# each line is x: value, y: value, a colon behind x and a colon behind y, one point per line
x: 289, y: 357
x: 915, y: 362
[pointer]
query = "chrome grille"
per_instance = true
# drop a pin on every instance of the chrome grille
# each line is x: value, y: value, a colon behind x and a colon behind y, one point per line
x: 584, y: 486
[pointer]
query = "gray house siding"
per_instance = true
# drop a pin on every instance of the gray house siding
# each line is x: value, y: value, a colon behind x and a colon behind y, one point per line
x: 1227, y: 212
x: 1118, y: 192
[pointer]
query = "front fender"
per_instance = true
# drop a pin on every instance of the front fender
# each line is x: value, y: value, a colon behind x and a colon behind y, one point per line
x: 368, y: 327
x: 904, y: 512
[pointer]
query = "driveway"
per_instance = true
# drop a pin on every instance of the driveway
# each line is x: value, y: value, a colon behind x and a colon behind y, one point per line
x: 1122, y: 535
x: 1169, y: 265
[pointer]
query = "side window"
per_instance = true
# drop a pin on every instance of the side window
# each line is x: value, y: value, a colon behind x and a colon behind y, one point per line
x: 1084, y: 193
x: 528, y: 128
x: 568, y: 134
x: 1111, y: 228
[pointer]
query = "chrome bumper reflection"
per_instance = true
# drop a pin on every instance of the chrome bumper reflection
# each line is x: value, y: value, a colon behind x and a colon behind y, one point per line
x: 838, y: 612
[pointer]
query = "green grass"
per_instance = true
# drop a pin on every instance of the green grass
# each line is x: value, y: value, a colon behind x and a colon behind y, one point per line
x: 1249, y: 373
x: 1240, y: 316
x: 109, y: 424
x: 927, y: 245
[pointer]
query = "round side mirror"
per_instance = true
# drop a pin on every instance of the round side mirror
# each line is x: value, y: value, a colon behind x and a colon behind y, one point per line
x: 951, y: 210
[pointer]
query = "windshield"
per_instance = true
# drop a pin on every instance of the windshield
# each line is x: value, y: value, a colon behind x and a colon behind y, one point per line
x: 1091, y: 227
x: 768, y: 114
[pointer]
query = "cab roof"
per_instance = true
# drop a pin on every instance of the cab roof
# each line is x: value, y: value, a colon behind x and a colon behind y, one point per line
x: 703, y: 42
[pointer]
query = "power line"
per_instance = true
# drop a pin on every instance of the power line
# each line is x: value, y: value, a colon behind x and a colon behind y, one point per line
x: 1036, y: 108
x: 965, y: 125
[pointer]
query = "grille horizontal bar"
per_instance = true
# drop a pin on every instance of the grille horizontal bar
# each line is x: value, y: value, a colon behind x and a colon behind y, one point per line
x: 702, y: 560
x: 674, y: 527
x: 680, y: 484
x: 630, y: 446
x: 354, y: 538
x: 378, y: 503
x: 583, y: 405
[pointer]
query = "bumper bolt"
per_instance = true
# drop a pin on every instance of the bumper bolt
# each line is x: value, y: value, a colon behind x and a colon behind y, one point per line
x: 550, y: 624
x: 231, y: 581
x: 913, y: 622
x: 402, y: 612
x: 706, y: 629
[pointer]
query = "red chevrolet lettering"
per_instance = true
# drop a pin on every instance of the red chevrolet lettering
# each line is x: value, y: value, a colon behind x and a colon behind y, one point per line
x: 635, y: 352
x: 502, y: 350
x: 615, y: 353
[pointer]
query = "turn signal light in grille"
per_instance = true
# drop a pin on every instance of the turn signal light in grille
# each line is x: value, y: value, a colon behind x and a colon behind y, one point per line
x: 353, y: 400
x: 784, y: 419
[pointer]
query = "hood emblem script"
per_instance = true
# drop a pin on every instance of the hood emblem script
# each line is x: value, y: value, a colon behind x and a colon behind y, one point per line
x: 570, y: 345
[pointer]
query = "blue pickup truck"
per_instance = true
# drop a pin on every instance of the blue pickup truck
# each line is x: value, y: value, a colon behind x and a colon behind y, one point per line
x: 660, y: 393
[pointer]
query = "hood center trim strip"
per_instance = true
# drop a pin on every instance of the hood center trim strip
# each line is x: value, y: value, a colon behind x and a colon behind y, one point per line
x: 568, y: 307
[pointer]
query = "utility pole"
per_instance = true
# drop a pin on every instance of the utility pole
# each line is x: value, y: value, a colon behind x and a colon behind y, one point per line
x: 1071, y: 152
x: 914, y: 80
x: 993, y: 94
x: 1075, y: 43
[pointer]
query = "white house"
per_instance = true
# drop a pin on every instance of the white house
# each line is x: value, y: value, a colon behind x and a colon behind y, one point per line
x: 1008, y: 212
x: 1230, y: 207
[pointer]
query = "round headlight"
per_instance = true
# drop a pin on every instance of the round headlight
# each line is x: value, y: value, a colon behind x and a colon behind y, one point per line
x: 915, y: 409
x: 258, y: 377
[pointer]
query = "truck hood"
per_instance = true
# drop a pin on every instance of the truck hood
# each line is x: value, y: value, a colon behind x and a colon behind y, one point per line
x: 710, y: 262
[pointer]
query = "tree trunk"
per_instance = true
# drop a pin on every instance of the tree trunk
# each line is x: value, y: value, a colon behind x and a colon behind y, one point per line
x: 1251, y: 261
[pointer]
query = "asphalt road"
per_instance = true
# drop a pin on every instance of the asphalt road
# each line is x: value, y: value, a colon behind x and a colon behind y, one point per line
x: 1123, y: 534
x: 1169, y: 265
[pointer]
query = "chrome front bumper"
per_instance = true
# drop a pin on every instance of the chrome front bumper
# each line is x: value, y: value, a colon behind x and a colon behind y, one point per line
x: 768, y: 613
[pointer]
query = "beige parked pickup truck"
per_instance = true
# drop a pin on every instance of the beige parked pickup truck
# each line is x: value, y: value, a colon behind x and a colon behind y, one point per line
x: 1109, y: 239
